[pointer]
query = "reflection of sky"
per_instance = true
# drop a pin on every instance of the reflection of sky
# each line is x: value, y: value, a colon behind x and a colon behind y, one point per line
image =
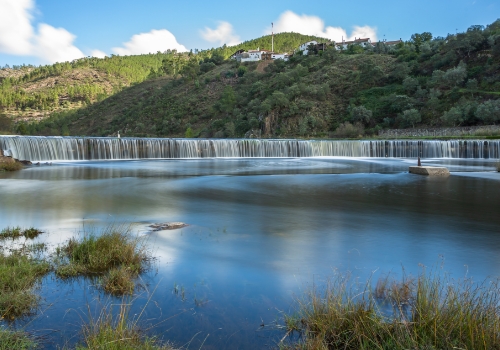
x: 256, y: 239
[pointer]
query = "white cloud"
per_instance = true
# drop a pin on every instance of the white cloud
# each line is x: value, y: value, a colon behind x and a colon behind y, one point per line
x: 56, y: 44
x: 16, y: 31
x: 223, y: 34
x: 98, y: 54
x: 313, y: 25
x: 154, y: 41
x: 18, y: 37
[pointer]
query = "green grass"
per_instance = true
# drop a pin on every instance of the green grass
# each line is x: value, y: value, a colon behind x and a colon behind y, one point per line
x: 19, y: 274
x: 429, y: 311
x: 115, y: 255
x: 17, y: 232
x: 10, y: 166
x: 15, y: 340
x: 117, y: 332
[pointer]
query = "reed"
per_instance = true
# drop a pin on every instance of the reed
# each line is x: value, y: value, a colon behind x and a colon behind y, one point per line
x: 115, y: 255
x: 430, y: 311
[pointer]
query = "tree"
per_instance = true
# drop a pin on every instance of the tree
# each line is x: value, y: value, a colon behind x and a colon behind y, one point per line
x: 419, y: 39
x: 5, y: 123
x: 189, y: 133
x: 410, y: 117
x: 191, y: 70
x: 456, y: 76
x: 227, y: 100
x: 361, y: 114
x: 312, y: 49
x: 489, y: 111
x: 172, y: 64
x: 454, y: 116
x: 410, y: 84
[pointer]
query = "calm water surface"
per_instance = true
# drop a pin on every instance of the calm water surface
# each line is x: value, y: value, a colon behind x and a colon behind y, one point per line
x: 262, y: 232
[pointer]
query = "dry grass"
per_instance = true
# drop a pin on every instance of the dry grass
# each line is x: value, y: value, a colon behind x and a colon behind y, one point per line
x: 115, y: 255
x: 10, y: 166
x: 430, y: 311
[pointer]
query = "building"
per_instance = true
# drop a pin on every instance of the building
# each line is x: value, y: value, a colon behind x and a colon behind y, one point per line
x: 258, y: 55
x: 363, y: 42
x: 392, y: 43
x: 303, y: 47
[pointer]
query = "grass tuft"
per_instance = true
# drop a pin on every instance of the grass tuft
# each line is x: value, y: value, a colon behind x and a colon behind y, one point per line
x: 15, y: 340
x: 426, y: 312
x: 118, y: 281
x: 117, y: 333
x: 19, y: 273
x: 17, y: 232
x: 115, y: 254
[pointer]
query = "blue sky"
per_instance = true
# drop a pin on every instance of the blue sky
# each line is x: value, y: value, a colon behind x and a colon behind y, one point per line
x: 45, y: 31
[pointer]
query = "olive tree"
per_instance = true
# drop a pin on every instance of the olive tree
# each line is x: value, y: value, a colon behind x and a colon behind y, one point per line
x: 410, y: 117
x: 489, y: 111
x: 361, y: 114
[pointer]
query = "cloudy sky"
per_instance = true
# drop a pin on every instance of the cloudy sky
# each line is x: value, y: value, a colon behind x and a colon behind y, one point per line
x: 47, y: 31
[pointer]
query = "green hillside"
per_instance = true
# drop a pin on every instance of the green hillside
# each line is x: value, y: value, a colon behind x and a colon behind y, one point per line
x: 424, y: 81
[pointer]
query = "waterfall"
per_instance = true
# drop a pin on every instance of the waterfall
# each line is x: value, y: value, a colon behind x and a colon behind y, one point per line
x: 54, y: 148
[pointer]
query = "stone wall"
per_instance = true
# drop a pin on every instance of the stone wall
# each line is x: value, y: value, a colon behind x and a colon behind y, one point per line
x: 437, y: 132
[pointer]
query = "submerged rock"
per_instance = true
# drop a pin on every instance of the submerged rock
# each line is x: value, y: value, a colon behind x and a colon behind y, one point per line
x: 168, y: 226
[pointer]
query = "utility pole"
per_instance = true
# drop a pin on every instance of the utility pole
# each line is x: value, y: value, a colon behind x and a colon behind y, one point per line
x: 272, y: 37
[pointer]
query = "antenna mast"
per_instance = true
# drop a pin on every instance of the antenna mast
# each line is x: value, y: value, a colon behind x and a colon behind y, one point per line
x: 272, y: 37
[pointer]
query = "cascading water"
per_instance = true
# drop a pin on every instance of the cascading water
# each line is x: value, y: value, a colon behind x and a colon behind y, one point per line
x: 53, y: 148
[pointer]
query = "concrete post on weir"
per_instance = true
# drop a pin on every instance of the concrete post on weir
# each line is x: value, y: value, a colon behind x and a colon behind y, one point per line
x: 428, y: 170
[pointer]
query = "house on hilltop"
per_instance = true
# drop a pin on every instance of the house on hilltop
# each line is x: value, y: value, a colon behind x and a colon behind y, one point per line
x: 303, y: 47
x: 364, y: 42
x: 258, y: 55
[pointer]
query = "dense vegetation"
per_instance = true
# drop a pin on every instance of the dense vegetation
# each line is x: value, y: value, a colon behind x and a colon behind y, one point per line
x: 425, y: 81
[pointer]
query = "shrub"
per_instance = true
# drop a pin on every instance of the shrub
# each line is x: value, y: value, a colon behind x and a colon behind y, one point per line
x: 10, y: 166
x: 350, y: 131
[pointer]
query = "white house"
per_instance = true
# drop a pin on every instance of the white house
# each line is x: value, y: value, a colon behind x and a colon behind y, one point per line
x: 279, y: 56
x: 303, y: 47
x: 259, y: 55
x: 357, y: 41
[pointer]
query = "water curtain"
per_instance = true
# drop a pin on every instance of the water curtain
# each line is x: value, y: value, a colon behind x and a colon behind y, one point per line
x: 54, y: 148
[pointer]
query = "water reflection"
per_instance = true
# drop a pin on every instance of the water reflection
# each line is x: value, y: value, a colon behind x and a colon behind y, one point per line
x: 261, y: 231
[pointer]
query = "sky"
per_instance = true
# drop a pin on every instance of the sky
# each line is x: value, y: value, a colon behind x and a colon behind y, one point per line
x: 47, y: 31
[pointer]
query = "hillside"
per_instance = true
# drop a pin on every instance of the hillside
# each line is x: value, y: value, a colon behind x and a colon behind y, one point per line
x: 424, y: 81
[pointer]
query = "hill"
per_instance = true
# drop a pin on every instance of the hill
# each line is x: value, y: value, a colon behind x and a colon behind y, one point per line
x: 424, y: 81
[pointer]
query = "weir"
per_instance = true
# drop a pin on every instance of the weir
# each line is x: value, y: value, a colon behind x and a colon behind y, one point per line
x: 54, y: 148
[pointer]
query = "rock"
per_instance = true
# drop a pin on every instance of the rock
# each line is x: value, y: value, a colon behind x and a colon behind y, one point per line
x: 168, y: 226
x: 429, y: 170
x: 25, y: 162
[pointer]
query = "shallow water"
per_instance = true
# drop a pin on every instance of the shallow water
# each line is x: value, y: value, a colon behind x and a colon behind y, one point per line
x: 262, y: 231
